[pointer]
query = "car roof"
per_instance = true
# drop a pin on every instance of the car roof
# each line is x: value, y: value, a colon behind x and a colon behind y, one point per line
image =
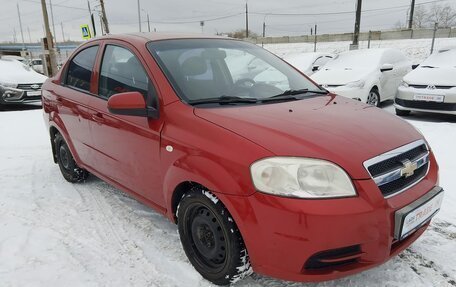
x: 154, y: 36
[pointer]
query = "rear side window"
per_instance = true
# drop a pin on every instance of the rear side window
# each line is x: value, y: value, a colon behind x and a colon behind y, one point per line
x: 80, y: 69
x: 121, y: 72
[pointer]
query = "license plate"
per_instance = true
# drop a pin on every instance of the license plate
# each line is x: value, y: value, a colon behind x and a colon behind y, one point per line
x: 34, y: 93
x: 429, y: 98
x: 417, y: 217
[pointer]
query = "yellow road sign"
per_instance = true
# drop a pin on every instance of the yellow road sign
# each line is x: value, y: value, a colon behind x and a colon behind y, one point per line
x: 86, y: 32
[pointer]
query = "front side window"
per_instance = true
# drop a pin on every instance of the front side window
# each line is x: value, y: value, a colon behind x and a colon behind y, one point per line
x: 80, y: 69
x: 202, y: 69
x: 121, y: 72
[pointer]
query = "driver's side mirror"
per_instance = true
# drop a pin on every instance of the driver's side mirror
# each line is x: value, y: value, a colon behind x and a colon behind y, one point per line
x: 415, y: 66
x: 131, y: 104
x: 315, y: 68
x: 386, y: 68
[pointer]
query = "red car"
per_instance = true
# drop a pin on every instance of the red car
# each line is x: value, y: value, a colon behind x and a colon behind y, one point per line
x: 271, y: 174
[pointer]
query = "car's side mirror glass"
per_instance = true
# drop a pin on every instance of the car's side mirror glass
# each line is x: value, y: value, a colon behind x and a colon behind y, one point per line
x: 415, y: 66
x: 315, y: 68
x: 386, y: 68
x: 131, y: 104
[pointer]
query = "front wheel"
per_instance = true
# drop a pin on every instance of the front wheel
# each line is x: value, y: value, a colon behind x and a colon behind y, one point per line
x: 211, y: 239
x: 70, y: 170
x: 373, y: 98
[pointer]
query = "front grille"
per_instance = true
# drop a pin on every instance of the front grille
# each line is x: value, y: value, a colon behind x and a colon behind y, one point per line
x: 28, y: 87
x: 436, y: 87
x: 396, y: 161
x: 426, y: 105
x: 397, y: 185
x: 399, y: 169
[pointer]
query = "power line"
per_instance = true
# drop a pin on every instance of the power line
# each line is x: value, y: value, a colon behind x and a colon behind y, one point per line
x: 343, y: 12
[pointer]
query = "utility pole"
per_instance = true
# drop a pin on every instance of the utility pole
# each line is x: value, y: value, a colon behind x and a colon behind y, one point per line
x: 355, y: 44
x: 20, y: 25
x: 92, y: 19
x: 105, y: 19
x: 63, y: 34
x: 315, y: 40
x: 53, y: 26
x: 264, y: 29
x: 139, y: 16
x: 14, y: 36
x: 148, y: 22
x: 412, y: 11
x: 50, y: 43
x: 246, y: 20
x: 202, y: 27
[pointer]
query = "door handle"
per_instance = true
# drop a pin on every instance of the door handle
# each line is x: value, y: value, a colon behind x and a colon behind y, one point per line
x: 98, y: 118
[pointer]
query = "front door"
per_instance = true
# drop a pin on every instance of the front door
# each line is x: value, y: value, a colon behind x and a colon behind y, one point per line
x: 126, y: 147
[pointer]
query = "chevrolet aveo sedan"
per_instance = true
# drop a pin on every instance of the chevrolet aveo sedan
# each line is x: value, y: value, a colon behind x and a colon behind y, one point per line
x: 283, y: 181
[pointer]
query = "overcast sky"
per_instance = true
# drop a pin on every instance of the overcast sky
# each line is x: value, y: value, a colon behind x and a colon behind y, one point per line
x: 332, y: 16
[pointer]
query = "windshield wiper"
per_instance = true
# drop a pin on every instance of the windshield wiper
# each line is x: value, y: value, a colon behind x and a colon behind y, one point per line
x: 223, y: 100
x: 291, y: 94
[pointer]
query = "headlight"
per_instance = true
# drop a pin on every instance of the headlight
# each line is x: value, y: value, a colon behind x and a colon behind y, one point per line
x: 357, y: 84
x: 301, y: 177
x: 8, y: 85
x: 404, y: 84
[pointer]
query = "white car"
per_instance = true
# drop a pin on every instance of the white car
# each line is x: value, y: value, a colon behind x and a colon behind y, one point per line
x: 19, y: 83
x: 17, y: 58
x: 37, y: 65
x: 431, y: 87
x: 370, y: 76
x: 309, y: 63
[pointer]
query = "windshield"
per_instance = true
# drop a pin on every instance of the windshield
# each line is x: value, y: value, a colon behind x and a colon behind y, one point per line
x: 202, y: 69
x: 360, y: 59
x: 442, y: 59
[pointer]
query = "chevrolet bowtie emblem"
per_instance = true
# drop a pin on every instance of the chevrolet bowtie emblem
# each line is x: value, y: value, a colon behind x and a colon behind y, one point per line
x: 408, y: 168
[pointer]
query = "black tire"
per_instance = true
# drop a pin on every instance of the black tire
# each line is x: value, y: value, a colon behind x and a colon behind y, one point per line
x: 70, y: 170
x: 402, y: 113
x: 373, y: 98
x: 211, y: 239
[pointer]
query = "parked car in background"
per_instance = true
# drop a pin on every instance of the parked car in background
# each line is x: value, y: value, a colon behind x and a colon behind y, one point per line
x: 284, y: 178
x: 370, y: 76
x: 309, y: 63
x: 431, y: 87
x: 37, y: 65
x: 19, y: 83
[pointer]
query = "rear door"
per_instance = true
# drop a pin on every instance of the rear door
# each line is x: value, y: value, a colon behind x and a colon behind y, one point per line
x: 72, y: 98
x: 126, y: 147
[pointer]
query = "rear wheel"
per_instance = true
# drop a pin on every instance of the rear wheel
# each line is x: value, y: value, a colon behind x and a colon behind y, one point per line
x: 70, y: 170
x: 373, y: 98
x: 402, y: 113
x: 211, y: 239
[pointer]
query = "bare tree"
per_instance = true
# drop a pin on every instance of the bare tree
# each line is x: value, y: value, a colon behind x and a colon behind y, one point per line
x: 419, y: 17
x: 444, y: 15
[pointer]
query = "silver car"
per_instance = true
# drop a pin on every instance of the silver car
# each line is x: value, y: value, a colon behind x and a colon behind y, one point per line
x: 431, y: 87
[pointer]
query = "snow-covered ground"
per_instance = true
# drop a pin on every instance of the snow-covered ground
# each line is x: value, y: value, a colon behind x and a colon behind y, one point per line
x: 53, y: 233
x: 416, y: 50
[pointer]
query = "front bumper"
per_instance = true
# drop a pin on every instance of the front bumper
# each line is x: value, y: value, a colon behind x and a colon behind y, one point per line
x: 284, y: 236
x: 359, y: 94
x: 405, y: 100
x: 18, y: 96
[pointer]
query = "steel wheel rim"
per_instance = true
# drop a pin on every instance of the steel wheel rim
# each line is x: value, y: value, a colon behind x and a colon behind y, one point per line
x: 208, y: 241
x: 64, y: 157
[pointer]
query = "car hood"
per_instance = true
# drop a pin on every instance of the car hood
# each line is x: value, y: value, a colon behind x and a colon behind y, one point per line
x: 13, y: 72
x: 434, y: 76
x: 339, y: 76
x: 329, y: 127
